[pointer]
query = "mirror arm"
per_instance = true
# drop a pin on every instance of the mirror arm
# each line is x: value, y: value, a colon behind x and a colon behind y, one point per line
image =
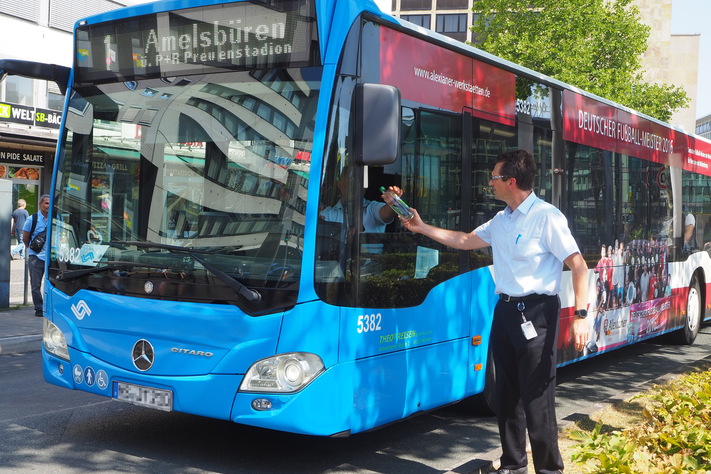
x: 33, y: 70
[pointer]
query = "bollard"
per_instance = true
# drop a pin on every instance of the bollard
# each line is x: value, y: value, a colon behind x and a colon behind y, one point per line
x: 5, y: 217
x: 25, y: 299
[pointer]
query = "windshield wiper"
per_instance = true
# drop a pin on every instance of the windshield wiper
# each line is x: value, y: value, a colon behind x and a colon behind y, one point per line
x: 146, y: 245
x: 74, y: 274
x: 251, y: 295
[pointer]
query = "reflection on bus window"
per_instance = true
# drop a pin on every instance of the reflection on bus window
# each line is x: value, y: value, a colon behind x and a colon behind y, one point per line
x: 218, y: 167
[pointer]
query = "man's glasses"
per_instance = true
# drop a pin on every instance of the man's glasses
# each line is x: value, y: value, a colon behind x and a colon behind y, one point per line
x: 501, y: 176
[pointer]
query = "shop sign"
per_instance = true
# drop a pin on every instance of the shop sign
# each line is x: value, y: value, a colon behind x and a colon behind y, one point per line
x: 21, y: 157
x: 47, y: 118
x: 31, y: 116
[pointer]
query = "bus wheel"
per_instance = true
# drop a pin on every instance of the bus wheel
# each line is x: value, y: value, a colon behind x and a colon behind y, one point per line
x: 692, y: 321
x: 484, y: 403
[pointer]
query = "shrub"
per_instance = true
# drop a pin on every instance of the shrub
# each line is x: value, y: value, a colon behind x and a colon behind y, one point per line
x: 674, y: 438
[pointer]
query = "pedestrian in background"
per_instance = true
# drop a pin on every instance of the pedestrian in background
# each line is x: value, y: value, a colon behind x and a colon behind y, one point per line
x: 19, y: 216
x: 530, y: 241
x: 35, y: 228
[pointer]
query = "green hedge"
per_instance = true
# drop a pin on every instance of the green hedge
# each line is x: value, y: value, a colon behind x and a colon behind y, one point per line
x: 675, y: 438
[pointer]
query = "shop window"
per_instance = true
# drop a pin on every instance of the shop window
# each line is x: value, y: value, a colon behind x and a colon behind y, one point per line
x: 55, y: 101
x: 19, y: 90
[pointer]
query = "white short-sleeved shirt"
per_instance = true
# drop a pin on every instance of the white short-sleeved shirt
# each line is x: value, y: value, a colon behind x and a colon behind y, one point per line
x: 644, y: 286
x: 630, y: 292
x: 617, y: 270
x: 41, y: 225
x: 529, y: 246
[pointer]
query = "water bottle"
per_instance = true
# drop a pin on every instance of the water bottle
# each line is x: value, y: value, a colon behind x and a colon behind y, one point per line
x: 398, y: 205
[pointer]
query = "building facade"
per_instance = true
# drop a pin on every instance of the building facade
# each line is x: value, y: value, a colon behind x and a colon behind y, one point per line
x: 703, y: 127
x: 31, y: 110
x: 452, y: 18
x: 670, y: 58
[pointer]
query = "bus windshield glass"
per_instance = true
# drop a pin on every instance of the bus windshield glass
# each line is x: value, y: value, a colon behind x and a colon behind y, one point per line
x: 168, y: 180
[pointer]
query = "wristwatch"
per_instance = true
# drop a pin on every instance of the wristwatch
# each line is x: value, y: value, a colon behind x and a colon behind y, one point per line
x: 582, y: 313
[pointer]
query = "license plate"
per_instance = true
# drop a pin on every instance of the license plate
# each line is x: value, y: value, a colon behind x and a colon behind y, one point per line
x: 143, y: 396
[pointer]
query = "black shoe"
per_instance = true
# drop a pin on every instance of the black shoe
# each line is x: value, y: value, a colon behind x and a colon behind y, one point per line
x: 40, y: 315
x: 520, y: 470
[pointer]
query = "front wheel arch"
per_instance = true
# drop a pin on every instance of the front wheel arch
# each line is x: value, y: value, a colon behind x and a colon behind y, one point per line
x: 694, y: 312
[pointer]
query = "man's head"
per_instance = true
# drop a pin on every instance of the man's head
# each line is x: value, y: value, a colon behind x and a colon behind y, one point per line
x: 21, y: 203
x: 343, y: 183
x: 44, y: 204
x: 519, y: 165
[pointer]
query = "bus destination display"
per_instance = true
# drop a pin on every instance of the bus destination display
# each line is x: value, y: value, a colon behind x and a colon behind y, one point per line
x: 197, y: 41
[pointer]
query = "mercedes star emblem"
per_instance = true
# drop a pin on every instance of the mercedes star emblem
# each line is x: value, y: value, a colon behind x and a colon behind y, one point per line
x: 143, y: 355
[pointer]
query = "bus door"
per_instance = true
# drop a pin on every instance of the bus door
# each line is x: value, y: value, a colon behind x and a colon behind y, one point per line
x: 484, y: 140
x: 405, y: 299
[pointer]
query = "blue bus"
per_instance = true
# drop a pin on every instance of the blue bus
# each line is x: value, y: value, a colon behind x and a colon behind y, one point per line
x: 216, y: 245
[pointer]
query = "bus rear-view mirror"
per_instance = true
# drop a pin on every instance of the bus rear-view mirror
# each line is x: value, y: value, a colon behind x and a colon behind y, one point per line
x: 377, y: 124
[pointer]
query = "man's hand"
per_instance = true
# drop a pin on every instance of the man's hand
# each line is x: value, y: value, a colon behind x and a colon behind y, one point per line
x: 387, y: 197
x: 415, y: 223
x: 581, y: 333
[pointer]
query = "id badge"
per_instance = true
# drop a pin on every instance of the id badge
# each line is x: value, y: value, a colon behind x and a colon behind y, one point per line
x: 529, y: 332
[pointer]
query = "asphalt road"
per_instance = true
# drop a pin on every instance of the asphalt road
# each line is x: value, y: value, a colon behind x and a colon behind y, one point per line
x: 44, y: 428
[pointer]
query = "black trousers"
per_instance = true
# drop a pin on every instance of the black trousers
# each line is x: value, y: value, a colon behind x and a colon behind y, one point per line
x: 525, y: 383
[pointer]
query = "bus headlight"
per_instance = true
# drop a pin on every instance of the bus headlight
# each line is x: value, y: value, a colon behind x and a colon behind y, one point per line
x: 54, y: 341
x: 282, y: 373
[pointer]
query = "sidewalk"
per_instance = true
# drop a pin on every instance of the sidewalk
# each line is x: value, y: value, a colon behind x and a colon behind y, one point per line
x: 20, y: 329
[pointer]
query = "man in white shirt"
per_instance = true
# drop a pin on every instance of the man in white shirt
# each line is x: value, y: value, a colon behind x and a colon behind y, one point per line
x: 644, y: 284
x: 617, y: 276
x: 689, y: 224
x: 530, y: 241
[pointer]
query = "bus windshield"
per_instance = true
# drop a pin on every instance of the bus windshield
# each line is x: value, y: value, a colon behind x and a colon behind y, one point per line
x: 214, y: 164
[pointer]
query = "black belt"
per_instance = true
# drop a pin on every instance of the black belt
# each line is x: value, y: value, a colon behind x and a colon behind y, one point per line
x: 506, y: 298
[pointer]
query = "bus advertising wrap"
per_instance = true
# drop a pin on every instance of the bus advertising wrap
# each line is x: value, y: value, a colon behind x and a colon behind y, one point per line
x: 435, y: 76
x: 589, y: 122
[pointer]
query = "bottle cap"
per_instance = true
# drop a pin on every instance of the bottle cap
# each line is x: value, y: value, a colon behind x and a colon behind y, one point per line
x: 382, y: 189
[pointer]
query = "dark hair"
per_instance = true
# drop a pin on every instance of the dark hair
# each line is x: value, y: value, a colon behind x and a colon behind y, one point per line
x: 518, y: 164
x: 43, y: 197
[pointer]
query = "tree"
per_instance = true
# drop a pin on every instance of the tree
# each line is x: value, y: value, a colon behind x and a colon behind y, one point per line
x: 594, y: 45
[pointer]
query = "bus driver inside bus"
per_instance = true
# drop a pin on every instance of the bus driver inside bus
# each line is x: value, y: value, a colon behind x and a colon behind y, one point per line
x: 376, y: 215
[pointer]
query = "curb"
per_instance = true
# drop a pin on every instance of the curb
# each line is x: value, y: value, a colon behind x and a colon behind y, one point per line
x: 20, y: 344
x: 474, y: 466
